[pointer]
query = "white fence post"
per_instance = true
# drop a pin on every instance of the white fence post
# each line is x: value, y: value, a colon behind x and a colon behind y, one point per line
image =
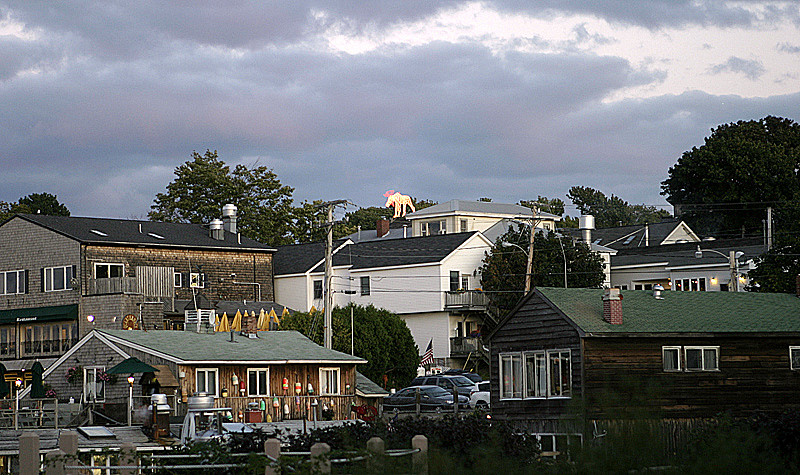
x: 419, y: 460
x: 272, y: 447
x: 319, y: 456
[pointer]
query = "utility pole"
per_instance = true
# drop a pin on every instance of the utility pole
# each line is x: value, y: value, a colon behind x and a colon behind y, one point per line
x: 327, y: 329
x: 769, y: 228
x: 529, y: 267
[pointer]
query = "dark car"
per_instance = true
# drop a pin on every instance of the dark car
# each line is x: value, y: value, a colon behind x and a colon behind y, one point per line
x: 474, y: 377
x: 447, y: 382
x: 430, y: 398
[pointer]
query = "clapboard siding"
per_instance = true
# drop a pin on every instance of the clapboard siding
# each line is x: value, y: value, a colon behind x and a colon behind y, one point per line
x: 626, y: 375
x: 535, y: 326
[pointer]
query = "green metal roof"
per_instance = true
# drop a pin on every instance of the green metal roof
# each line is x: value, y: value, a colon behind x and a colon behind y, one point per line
x: 191, y: 347
x: 681, y: 312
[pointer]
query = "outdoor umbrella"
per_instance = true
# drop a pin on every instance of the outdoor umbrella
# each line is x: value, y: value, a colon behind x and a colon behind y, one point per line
x: 273, y: 317
x: 216, y: 322
x: 237, y: 321
x: 130, y: 366
x: 224, y: 326
x: 5, y: 388
x: 37, y: 388
x: 261, y: 325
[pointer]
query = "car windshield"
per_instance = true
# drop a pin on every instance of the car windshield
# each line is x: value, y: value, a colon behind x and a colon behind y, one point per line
x: 437, y: 392
x: 461, y: 381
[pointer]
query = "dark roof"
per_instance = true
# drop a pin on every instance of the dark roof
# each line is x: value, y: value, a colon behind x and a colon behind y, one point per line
x: 190, y: 347
x: 368, y: 388
x: 141, y: 233
x: 481, y: 207
x: 680, y: 312
x: 299, y: 258
x: 676, y: 255
x: 48, y: 439
x: 369, y: 254
x: 615, y: 237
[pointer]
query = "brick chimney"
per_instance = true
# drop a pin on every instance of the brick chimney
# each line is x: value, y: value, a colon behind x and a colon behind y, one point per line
x: 382, y: 227
x: 612, y: 306
x: 249, y: 322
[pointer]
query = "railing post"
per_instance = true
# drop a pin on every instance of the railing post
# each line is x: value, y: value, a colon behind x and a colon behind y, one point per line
x: 417, y: 398
x: 272, y: 448
x: 127, y: 456
x: 377, y: 448
x: 54, y: 463
x: 319, y: 456
x: 68, y: 442
x: 419, y: 460
x: 29, y: 453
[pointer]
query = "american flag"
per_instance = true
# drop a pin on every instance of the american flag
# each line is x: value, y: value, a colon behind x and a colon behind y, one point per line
x: 427, y: 357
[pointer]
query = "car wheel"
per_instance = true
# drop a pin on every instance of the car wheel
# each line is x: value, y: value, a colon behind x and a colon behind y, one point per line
x: 481, y: 405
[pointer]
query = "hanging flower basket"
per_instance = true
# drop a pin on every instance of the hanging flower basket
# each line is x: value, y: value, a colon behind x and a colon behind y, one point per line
x: 74, y: 374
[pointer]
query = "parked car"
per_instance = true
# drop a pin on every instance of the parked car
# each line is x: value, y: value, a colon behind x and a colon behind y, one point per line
x: 474, y: 377
x: 479, y: 399
x: 430, y: 398
x: 447, y: 382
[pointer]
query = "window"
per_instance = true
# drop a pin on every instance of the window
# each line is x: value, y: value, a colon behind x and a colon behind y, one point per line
x: 535, y: 375
x: 258, y: 382
x: 693, y: 284
x: 455, y: 281
x: 177, y: 279
x: 12, y: 282
x: 328, y: 381
x: 197, y: 280
x: 8, y: 342
x: 511, y: 376
x: 794, y: 357
x: 206, y: 381
x: 432, y: 228
x: 464, y: 226
x: 672, y: 358
x: 94, y: 385
x: 560, y: 374
x: 464, y: 282
x: 317, y: 289
x: 701, y: 358
x: 108, y: 271
x: 365, y: 286
x: 57, y: 278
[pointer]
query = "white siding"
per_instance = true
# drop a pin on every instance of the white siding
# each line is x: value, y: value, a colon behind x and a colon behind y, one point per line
x: 401, y: 290
x: 425, y: 326
x: 292, y: 292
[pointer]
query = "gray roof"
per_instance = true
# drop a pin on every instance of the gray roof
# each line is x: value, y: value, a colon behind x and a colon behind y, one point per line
x: 615, y: 237
x: 368, y: 388
x: 299, y: 258
x: 141, y: 233
x: 482, y: 207
x: 189, y: 347
x: 48, y: 439
x: 677, y: 255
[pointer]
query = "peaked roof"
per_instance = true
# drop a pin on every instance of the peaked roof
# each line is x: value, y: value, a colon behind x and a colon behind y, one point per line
x: 299, y: 258
x: 189, y: 347
x: 616, y: 237
x: 679, y: 312
x: 141, y: 233
x: 479, y: 207
x: 367, y: 388
x: 677, y: 255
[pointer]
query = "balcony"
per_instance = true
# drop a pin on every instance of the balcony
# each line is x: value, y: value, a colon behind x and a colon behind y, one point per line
x: 466, y: 300
x: 113, y: 285
x: 461, y: 346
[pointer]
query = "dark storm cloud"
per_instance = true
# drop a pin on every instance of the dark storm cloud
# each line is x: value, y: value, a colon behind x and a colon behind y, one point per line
x: 751, y: 68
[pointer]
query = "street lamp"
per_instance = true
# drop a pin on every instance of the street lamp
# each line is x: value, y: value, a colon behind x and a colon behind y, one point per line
x: 18, y: 384
x: 733, y: 261
x: 130, y: 399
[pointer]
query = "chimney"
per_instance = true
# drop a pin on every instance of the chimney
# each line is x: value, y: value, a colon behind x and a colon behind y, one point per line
x: 647, y: 234
x: 586, y: 223
x: 612, y: 306
x: 229, y: 218
x: 382, y: 227
x: 249, y: 322
x: 215, y: 230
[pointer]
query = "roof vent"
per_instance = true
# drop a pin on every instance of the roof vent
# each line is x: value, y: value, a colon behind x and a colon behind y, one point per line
x: 586, y: 224
x: 657, y: 289
x: 216, y: 231
x: 229, y: 217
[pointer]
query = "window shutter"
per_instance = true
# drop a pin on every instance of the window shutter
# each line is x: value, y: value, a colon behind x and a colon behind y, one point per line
x: 42, y: 281
x: 27, y: 279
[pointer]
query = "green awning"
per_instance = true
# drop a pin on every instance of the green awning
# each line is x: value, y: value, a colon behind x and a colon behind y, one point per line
x: 132, y: 365
x: 39, y: 314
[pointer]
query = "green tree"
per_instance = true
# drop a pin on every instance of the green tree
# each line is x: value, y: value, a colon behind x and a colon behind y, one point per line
x: 423, y: 203
x: 380, y: 337
x: 504, y: 266
x: 35, y: 203
x: 723, y: 186
x: 205, y: 183
x: 613, y: 211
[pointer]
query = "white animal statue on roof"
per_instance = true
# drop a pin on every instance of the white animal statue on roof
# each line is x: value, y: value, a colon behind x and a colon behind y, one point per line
x: 399, y: 202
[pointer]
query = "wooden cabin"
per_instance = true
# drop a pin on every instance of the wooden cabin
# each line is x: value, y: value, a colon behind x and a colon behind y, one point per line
x: 567, y: 357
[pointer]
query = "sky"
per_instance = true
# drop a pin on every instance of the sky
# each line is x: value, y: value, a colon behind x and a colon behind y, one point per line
x: 346, y: 99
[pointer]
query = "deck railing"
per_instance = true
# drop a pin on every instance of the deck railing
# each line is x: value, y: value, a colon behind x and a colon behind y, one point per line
x: 466, y: 299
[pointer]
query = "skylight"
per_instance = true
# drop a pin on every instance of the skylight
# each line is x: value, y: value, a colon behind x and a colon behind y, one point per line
x: 157, y: 236
x: 628, y: 241
x: 99, y: 233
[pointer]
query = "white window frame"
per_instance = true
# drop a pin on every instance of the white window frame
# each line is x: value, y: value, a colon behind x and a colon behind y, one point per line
x: 464, y: 226
x: 208, y: 371
x: 324, y: 390
x: 108, y: 265
x: 364, y: 289
x: 259, y: 392
x: 20, y: 282
x: 550, y: 389
x: 314, y: 284
x: 664, y: 350
x: 93, y: 370
x: 539, y: 389
x: 48, y: 278
x: 177, y: 279
x: 521, y: 376
x: 791, y: 361
x: 702, y: 350
x: 196, y: 280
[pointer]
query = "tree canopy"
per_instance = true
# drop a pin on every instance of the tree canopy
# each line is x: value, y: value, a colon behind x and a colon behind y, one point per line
x: 723, y: 186
x: 35, y: 203
x: 613, y: 211
x: 205, y: 183
x: 380, y: 337
x: 503, y: 270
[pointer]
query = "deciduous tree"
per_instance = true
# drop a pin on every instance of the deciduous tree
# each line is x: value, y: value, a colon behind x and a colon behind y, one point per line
x: 613, y: 211
x: 35, y: 203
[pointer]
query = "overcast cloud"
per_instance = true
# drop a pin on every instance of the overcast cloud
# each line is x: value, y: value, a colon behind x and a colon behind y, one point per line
x: 100, y: 101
